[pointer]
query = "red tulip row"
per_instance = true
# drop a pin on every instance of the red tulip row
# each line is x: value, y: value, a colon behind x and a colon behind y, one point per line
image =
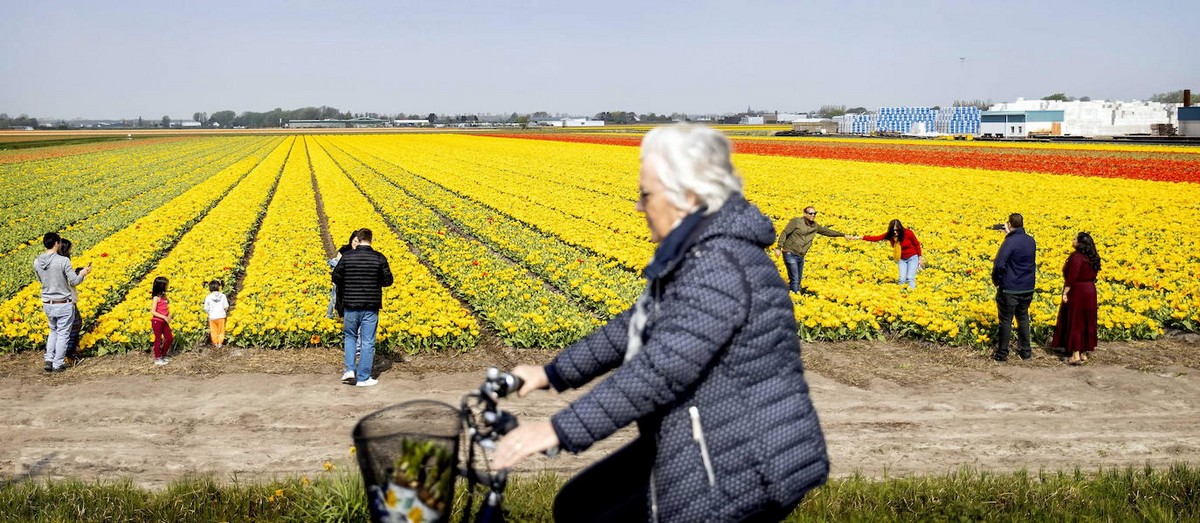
x: 1137, y: 166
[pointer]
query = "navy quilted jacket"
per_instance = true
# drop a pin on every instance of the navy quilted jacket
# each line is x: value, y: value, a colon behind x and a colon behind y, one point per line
x: 718, y: 383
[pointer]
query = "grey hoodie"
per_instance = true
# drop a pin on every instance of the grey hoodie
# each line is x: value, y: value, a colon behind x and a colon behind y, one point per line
x: 56, y: 275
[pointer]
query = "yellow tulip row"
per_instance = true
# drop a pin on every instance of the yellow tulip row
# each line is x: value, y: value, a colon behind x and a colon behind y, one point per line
x: 582, y: 193
x: 122, y: 258
x: 89, y: 213
x: 49, y: 194
x: 213, y: 249
x: 418, y: 314
x: 1145, y: 230
x: 518, y: 306
x: 571, y: 269
x: 283, y: 296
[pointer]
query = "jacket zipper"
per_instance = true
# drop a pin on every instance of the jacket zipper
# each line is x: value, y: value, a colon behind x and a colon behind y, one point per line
x: 698, y: 435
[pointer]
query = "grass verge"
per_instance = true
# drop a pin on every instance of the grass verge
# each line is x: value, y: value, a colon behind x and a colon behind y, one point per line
x: 1126, y: 494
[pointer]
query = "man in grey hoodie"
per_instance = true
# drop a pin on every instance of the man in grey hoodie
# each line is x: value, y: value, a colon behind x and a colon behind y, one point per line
x: 56, y: 275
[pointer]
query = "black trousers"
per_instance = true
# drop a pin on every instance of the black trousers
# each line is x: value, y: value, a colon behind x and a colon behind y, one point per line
x: 617, y: 489
x: 1008, y: 306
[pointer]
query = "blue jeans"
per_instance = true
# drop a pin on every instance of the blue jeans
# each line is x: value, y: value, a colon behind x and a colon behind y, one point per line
x: 908, y: 271
x: 59, y: 316
x: 358, y: 329
x: 795, y: 269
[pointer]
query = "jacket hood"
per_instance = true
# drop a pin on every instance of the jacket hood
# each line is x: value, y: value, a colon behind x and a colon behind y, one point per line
x: 44, y: 259
x: 742, y: 220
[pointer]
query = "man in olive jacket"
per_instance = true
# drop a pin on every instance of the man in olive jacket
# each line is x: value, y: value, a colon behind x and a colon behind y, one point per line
x: 795, y: 241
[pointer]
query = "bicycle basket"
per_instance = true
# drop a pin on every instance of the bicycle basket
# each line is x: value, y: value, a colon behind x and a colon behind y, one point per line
x: 408, y: 455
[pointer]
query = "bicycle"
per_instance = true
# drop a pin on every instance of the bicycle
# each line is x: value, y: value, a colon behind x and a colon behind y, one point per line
x: 409, y: 454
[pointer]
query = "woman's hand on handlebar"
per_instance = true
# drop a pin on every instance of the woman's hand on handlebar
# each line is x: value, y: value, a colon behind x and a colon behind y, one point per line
x: 524, y: 441
x: 534, y: 377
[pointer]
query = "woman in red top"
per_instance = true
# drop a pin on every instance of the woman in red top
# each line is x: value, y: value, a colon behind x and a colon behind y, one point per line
x: 160, y: 318
x: 907, y: 251
x: 1075, y: 330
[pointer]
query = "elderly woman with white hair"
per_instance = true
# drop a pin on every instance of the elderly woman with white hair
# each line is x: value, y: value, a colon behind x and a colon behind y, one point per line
x: 706, y: 362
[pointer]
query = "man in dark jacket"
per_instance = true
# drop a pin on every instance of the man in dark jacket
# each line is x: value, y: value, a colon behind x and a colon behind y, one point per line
x: 360, y: 277
x: 1014, y: 274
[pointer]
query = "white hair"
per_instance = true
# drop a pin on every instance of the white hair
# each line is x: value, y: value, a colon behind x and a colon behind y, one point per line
x: 693, y: 159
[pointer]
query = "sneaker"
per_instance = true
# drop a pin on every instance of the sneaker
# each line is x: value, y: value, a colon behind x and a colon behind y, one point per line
x: 1001, y: 359
x: 1027, y: 356
x: 49, y: 366
x: 59, y: 369
x: 160, y: 361
x: 370, y: 382
x: 348, y: 377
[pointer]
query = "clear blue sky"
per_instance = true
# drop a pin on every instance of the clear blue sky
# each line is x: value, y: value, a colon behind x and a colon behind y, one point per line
x: 112, y: 59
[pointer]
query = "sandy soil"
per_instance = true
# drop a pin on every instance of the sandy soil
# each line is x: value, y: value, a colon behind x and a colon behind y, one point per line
x: 887, y: 408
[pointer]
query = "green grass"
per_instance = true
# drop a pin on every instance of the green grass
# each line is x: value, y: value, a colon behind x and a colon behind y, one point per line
x: 1128, y: 494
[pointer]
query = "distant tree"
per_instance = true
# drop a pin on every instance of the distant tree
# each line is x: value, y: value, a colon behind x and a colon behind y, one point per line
x: 22, y: 120
x: 223, y: 118
x: 200, y: 117
x: 540, y: 114
x: 829, y: 111
x: 1058, y: 97
x: 432, y: 118
x: 857, y: 110
x: 523, y: 121
x: 1085, y: 98
x: 1173, y: 97
x: 166, y: 122
x: 982, y: 105
x: 141, y: 123
x: 937, y: 108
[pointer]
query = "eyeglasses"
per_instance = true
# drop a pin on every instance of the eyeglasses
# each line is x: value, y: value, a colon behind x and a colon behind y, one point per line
x: 814, y: 213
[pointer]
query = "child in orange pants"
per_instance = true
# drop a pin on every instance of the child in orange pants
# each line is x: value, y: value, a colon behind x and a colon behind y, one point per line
x: 216, y: 305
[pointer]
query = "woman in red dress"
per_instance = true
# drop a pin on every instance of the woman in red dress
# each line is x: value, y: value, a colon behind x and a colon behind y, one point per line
x: 1076, y: 327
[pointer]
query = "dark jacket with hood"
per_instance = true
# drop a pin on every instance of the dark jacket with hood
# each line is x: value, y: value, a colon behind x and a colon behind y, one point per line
x: 717, y: 384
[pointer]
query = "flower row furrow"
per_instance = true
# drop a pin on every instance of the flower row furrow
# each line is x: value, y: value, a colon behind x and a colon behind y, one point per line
x: 535, y: 188
x: 212, y: 250
x: 52, y: 194
x: 101, y: 222
x: 282, y: 299
x: 571, y: 269
x: 519, y: 306
x: 418, y: 314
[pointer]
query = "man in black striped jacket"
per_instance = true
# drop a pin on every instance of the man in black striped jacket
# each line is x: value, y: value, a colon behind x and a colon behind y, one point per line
x: 360, y: 278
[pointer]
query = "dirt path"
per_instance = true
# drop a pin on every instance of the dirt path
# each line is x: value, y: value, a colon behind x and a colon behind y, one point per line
x: 887, y: 409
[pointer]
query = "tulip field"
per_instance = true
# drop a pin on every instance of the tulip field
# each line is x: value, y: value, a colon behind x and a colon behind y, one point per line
x: 534, y: 237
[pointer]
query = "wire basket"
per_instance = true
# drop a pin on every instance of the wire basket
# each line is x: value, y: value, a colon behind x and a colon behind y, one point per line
x: 408, y: 455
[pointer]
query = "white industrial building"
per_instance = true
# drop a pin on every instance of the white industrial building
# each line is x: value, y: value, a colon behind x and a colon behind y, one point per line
x: 1099, y: 117
x: 582, y: 122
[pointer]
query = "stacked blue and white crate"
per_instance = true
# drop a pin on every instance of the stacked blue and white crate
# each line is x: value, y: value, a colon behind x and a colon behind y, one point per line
x: 857, y: 124
x: 901, y: 119
x: 958, y: 120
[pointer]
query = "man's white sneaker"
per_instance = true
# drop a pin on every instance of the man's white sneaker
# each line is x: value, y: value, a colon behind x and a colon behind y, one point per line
x: 160, y: 361
x: 370, y: 382
x: 348, y: 377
